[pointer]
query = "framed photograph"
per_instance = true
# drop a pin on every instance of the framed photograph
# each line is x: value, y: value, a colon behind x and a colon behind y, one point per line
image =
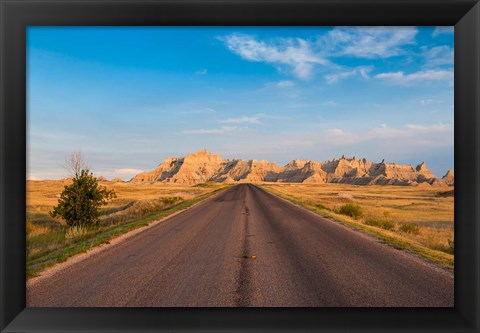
x: 239, y: 166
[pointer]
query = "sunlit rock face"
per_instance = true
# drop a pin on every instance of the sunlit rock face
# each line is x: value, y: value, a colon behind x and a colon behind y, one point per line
x: 204, y: 166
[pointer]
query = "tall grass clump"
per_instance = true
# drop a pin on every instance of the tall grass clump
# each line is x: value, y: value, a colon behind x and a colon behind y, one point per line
x: 410, y: 228
x: 384, y: 223
x: 76, y: 232
x: 380, y: 223
x: 351, y: 210
x: 320, y: 206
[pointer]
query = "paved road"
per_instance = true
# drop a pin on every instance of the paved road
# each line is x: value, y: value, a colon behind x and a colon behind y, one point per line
x: 198, y: 258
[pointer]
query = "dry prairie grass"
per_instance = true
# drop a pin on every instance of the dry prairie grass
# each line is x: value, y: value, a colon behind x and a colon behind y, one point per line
x: 34, y: 230
x: 424, y: 207
x: 43, y: 195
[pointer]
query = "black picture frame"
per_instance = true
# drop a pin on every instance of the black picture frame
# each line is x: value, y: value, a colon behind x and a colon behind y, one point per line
x: 16, y: 15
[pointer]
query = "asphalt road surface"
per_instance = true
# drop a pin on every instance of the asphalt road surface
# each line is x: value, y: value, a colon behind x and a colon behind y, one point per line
x: 203, y: 257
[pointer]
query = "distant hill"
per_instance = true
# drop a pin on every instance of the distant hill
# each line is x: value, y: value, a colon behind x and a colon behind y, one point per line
x: 203, y: 166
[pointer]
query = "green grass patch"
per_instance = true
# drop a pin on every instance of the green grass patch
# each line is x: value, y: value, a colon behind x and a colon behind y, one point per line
x: 389, y: 237
x: 50, y: 248
x: 380, y: 223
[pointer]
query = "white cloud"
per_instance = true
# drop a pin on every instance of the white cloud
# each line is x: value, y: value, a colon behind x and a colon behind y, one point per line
x: 431, y: 128
x: 362, y: 71
x: 296, y: 54
x: 417, y: 77
x: 32, y: 178
x: 438, y: 55
x: 128, y: 171
x: 339, y: 137
x: 201, y: 72
x: 413, y: 133
x: 335, y: 131
x: 302, y: 57
x: 222, y: 130
x: 285, y: 84
x: 240, y: 120
x: 330, y: 103
x: 368, y: 42
x: 386, y: 136
x: 442, y: 30
x: 426, y: 101
x: 334, y: 78
x: 383, y: 132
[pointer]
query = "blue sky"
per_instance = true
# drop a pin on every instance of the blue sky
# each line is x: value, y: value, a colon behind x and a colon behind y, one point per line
x: 128, y: 97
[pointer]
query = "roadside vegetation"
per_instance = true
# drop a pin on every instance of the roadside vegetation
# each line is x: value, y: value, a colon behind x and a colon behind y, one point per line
x: 51, y: 240
x: 351, y: 210
x: 418, y: 219
x: 80, y: 202
x: 383, y: 223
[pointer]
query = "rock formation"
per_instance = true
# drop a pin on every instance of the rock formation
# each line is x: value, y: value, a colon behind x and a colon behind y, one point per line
x: 449, y: 178
x: 203, y: 166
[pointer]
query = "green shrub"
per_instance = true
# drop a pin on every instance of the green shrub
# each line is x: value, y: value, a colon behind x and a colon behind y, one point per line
x: 351, y: 210
x: 80, y: 202
x: 380, y: 223
x: 410, y: 228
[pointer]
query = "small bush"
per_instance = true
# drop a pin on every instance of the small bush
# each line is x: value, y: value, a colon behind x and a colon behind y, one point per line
x: 380, y: 223
x: 76, y: 232
x: 446, y: 194
x: 80, y: 202
x: 351, y: 210
x: 171, y: 200
x: 451, y: 246
x: 410, y: 228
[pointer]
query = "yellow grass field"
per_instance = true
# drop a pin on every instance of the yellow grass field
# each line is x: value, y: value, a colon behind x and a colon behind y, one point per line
x: 131, y: 199
x: 44, y: 194
x: 431, y: 209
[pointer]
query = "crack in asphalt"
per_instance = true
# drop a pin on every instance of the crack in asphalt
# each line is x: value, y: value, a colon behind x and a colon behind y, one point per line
x: 244, y: 279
